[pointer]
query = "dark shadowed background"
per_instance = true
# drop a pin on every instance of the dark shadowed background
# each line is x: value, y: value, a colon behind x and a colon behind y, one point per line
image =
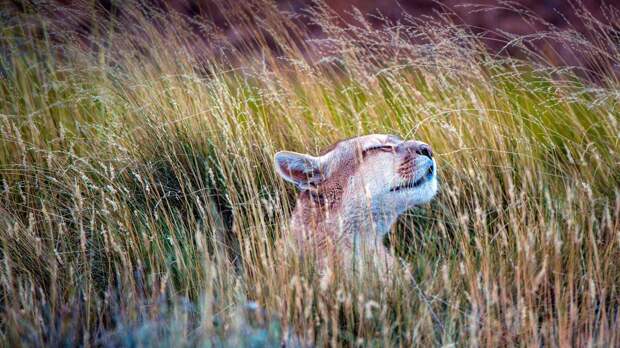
x: 496, y: 22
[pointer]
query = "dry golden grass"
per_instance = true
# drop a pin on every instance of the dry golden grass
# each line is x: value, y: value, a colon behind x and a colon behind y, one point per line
x: 139, y: 206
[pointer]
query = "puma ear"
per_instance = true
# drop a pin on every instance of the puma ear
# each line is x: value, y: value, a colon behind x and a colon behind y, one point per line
x: 302, y: 170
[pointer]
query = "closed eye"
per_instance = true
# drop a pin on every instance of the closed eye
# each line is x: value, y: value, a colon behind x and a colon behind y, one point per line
x: 384, y: 148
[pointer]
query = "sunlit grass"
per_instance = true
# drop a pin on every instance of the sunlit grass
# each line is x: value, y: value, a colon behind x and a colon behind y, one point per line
x: 139, y: 204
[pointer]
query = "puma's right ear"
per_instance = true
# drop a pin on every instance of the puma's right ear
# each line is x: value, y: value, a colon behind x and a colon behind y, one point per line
x: 302, y: 170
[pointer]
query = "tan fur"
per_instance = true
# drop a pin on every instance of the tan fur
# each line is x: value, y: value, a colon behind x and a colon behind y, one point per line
x: 347, y: 203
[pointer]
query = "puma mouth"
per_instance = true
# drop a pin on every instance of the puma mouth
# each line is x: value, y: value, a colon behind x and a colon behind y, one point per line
x: 416, y: 183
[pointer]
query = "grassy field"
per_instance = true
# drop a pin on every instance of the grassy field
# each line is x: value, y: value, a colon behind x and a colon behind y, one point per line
x: 139, y: 205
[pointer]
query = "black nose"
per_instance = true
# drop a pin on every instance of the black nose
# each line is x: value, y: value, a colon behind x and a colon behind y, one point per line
x: 424, y: 150
x: 417, y: 147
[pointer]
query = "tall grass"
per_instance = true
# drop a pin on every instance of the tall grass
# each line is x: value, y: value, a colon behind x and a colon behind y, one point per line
x: 139, y: 206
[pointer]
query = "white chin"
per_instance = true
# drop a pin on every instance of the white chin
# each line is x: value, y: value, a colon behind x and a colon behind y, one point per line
x: 429, y: 190
x: 423, y: 193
